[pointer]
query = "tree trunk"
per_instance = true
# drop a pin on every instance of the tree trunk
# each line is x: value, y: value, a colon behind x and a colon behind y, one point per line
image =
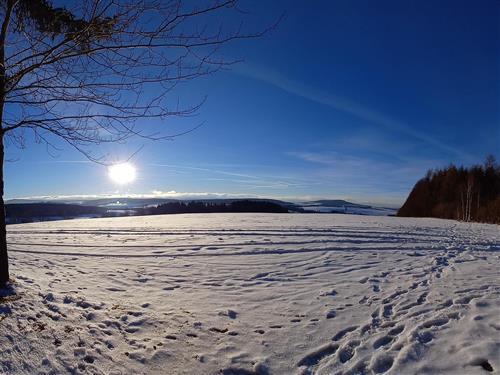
x: 4, y: 259
x: 463, y: 205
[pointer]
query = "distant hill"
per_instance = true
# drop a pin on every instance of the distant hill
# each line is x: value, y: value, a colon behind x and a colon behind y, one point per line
x: 466, y: 194
x: 131, y: 203
x: 341, y: 206
x: 336, y: 203
x: 29, y: 210
x: 47, y: 211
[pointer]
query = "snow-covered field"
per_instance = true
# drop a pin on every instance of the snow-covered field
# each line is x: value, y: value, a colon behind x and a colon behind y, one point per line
x: 252, y: 294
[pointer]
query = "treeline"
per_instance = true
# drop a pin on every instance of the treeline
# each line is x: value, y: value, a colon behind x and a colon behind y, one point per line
x: 213, y: 207
x: 30, y: 212
x: 466, y: 194
x: 27, y: 212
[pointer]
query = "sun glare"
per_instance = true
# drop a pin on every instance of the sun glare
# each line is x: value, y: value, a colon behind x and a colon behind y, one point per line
x: 123, y: 173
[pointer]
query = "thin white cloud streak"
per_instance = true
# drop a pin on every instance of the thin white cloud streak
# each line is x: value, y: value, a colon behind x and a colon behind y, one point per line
x: 342, y: 104
x: 154, y: 194
x: 205, y: 170
x: 363, y: 175
x: 250, y: 181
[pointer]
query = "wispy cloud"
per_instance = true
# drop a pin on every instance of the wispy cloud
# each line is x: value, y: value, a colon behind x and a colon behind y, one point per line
x: 197, y: 195
x: 154, y: 194
x: 250, y: 181
x: 343, y: 104
x: 365, y: 172
x: 209, y: 170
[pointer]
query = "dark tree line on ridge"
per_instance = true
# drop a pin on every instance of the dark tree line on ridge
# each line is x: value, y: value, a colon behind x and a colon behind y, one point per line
x: 17, y: 212
x: 29, y: 212
x: 212, y: 207
x: 466, y: 194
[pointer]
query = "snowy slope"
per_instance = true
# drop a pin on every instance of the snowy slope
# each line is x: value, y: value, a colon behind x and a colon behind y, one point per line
x: 345, y: 207
x: 252, y: 294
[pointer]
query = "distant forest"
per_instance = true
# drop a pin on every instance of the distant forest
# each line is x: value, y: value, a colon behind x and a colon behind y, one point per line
x: 29, y: 212
x: 210, y: 207
x: 466, y: 194
x: 20, y: 213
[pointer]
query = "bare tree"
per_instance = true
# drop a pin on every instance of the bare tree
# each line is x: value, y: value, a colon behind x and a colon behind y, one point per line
x: 88, y: 73
x: 466, y: 196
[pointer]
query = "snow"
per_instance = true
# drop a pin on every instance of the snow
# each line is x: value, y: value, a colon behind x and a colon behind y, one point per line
x: 353, y: 210
x: 252, y: 294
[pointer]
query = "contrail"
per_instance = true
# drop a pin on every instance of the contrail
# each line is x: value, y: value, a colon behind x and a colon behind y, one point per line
x: 342, y: 104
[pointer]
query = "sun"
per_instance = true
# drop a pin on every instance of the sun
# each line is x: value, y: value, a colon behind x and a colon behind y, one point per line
x: 123, y: 173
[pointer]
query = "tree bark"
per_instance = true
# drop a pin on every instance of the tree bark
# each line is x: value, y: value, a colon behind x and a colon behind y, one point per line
x: 4, y: 259
x: 463, y: 205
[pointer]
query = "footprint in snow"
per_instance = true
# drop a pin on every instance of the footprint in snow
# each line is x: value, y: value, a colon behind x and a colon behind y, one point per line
x: 348, y: 350
x: 382, y: 341
x: 218, y: 330
x: 229, y: 313
x: 330, y: 293
x: 483, y: 363
x: 331, y: 314
x: 382, y: 363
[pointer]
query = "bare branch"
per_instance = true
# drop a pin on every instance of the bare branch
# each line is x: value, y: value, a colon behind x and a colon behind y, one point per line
x: 91, y: 74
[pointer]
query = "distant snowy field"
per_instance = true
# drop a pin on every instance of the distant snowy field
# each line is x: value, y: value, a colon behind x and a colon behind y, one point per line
x: 353, y: 210
x: 252, y: 294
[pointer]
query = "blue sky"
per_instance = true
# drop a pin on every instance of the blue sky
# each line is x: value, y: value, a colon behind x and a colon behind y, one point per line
x: 345, y: 99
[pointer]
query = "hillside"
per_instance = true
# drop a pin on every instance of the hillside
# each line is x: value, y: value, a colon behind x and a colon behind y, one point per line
x: 466, y: 194
x: 29, y: 212
x: 340, y: 206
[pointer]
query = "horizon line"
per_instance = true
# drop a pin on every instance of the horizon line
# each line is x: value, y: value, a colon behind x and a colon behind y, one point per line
x: 180, y: 196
